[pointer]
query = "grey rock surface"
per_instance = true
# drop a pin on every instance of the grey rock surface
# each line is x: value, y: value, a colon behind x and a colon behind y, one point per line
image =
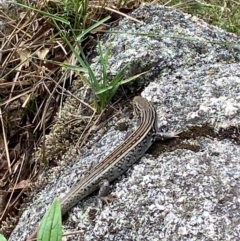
x: 188, y: 189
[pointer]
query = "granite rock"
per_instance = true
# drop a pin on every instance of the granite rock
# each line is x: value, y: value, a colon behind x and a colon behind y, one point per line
x: 186, y: 189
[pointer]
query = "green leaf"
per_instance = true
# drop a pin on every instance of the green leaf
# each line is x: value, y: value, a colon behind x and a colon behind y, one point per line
x: 51, y: 225
x: 2, y: 238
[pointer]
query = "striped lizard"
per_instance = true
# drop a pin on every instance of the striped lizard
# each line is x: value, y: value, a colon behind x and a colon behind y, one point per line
x: 120, y: 160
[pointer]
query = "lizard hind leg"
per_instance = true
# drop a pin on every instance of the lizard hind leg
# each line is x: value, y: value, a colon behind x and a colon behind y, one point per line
x: 104, y: 191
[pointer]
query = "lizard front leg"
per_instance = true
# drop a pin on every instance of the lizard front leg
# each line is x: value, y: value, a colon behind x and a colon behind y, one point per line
x: 161, y: 136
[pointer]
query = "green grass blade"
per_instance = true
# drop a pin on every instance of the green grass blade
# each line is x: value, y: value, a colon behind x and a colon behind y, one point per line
x: 80, y: 60
x: 92, y: 27
x: 56, y: 18
x: 73, y: 67
x: 121, y: 82
x: 132, y: 78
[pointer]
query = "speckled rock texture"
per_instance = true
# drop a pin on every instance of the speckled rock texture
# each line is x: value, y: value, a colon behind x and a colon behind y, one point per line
x: 186, y: 189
